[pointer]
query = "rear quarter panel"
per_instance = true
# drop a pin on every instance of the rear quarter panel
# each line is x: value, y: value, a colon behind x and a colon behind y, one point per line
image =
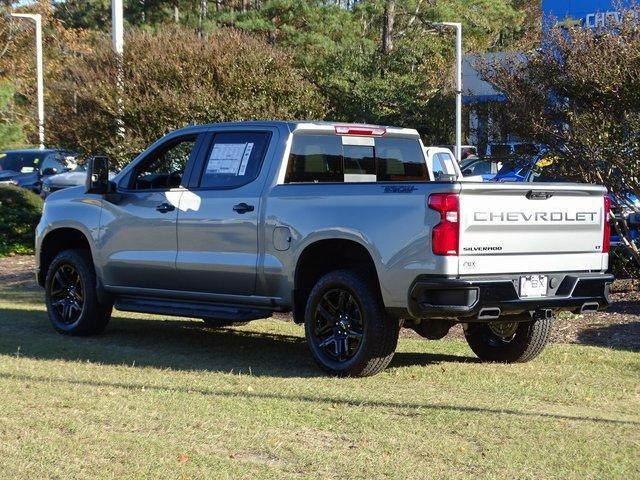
x: 392, y: 221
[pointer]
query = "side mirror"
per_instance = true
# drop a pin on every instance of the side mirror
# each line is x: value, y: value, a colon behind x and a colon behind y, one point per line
x: 49, y: 171
x: 97, y: 175
x: 467, y: 173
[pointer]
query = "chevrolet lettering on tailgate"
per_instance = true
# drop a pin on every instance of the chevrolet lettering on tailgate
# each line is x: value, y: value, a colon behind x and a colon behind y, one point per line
x: 535, y: 216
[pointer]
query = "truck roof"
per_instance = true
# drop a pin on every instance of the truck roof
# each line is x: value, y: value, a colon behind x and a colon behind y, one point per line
x: 306, y: 125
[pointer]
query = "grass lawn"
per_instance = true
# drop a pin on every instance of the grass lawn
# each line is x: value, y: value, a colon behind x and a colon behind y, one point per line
x: 158, y: 397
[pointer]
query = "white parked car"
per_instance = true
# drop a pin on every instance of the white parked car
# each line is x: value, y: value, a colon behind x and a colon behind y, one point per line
x: 442, y: 163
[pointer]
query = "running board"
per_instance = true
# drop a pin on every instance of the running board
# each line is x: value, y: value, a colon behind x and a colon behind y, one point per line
x: 190, y: 309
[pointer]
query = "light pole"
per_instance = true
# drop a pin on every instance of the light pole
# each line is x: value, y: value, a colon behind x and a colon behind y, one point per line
x: 117, y: 29
x: 458, y: 27
x: 117, y: 37
x: 37, y: 18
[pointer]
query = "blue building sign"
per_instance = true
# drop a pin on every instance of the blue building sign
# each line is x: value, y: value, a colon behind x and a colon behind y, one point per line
x: 584, y: 13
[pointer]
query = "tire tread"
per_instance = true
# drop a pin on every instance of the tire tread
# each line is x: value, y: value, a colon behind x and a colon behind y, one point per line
x: 95, y: 315
x: 382, y: 345
x: 531, y: 339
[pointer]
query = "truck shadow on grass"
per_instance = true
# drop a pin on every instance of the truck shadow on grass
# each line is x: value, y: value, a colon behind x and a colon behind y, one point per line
x: 175, y: 344
x: 187, y: 345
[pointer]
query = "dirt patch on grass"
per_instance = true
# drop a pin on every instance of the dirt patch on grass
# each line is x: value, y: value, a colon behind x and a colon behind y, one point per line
x: 18, y: 271
x: 617, y: 327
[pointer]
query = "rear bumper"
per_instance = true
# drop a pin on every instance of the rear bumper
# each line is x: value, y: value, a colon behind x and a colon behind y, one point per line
x: 479, y: 298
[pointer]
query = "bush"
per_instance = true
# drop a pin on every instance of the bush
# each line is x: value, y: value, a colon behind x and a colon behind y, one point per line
x: 20, y: 211
x: 622, y: 264
x: 172, y: 78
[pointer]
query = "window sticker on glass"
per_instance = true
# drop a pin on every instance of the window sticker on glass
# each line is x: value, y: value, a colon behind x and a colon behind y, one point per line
x: 229, y: 158
x: 245, y: 159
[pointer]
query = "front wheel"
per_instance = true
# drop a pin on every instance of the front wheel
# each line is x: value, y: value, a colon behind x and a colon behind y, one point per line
x: 71, y: 297
x: 509, y: 342
x: 347, y: 328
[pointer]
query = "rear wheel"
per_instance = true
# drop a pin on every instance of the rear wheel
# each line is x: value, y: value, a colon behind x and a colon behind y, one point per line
x: 70, y: 295
x: 347, y: 328
x: 509, y: 342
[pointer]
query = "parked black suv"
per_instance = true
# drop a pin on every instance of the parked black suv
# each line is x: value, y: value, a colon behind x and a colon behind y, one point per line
x: 27, y: 168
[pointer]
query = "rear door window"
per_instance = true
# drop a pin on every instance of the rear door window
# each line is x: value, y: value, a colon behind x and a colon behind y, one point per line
x: 324, y: 158
x: 234, y: 159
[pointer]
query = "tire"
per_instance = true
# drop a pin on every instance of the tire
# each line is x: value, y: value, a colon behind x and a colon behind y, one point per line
x: 526, y: 343
x: 347, y: 328
x: 218, y: 323
x: 71, y: 297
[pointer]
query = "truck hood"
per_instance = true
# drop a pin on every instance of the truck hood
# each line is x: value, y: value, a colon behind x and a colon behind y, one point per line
x: 68, y: 179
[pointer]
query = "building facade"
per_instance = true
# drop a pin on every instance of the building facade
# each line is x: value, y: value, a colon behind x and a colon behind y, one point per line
x: 480, y: 98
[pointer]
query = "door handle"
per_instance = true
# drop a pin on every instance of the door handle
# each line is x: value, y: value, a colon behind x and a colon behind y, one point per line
x: 165, y: 207
x: 243, y: 208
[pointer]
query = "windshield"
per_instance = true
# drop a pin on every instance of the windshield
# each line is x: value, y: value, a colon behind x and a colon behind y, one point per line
x: 467, y: 162
x: 514, y: 165
x: 23, y: 162
x: 478, y: 167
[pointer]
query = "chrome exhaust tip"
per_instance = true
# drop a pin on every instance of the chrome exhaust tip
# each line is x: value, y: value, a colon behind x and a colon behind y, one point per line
x: 489, y: 313
x: 589, y: 307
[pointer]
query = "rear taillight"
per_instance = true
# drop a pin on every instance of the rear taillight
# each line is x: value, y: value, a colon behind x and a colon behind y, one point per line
x: 445, y: 236
x: 606, y: 237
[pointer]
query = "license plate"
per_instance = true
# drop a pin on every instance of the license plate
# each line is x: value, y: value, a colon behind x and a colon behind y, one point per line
x: 533, y: 286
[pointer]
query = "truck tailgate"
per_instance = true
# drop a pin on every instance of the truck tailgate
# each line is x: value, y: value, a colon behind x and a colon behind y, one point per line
x: 522, y: 228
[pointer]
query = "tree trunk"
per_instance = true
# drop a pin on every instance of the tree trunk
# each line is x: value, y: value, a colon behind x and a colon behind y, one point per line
x: 387, y: 26
x: 204, y: 6
x: 143, y: 11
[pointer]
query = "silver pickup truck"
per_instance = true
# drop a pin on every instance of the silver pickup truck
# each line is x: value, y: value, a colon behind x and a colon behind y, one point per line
x: 343, y: 225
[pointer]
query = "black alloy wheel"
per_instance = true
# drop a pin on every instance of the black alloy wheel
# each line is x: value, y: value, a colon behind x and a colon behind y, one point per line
x: 338, y: 325
x: 348, y: 330
x: 67, y: 293
x: 71, y: 295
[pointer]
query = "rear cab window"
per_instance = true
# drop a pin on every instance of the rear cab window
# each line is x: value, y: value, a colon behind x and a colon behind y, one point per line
x: 322, y: 158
